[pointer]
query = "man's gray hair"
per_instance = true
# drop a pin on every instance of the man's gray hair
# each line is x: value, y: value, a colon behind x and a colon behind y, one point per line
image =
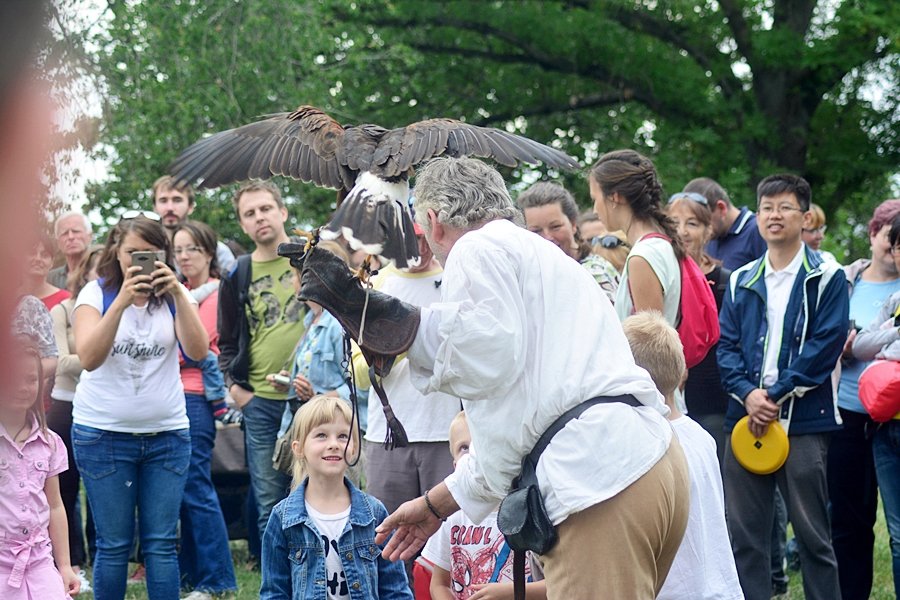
x: 72, y: 213
x: 463, y: 193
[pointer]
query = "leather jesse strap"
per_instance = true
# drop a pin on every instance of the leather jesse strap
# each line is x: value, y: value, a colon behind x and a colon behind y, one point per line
x: 574, y: 413
x: 535, y: 455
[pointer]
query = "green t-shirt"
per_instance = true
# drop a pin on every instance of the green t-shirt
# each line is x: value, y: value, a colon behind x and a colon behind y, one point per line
x: 275, y: 317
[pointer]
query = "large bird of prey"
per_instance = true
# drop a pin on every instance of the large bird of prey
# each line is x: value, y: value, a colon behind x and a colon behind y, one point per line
x: 371, y: 163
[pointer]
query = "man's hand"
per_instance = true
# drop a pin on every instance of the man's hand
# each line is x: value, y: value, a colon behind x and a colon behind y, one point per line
x: 762, y: 411
x: 413, y: 523
x: 240, y: 396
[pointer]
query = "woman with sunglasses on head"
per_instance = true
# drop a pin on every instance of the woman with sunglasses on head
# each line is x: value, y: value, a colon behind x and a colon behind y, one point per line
x: 550, y: 211
x: 703, y: 393
x: 130, y: 428
x: 204, y: 557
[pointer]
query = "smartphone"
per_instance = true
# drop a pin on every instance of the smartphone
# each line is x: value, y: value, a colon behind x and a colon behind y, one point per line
x: 282, y: 380
x: 144, y: 260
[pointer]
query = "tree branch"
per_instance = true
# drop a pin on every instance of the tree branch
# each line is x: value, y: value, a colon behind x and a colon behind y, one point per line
x: 794, y: 14
x: 549, y: 108
x: 739, y: 28
x: 674, y: 34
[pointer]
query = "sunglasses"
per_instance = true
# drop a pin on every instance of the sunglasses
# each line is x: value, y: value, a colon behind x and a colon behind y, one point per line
x: 134, y: 214
x: 698, y: 198
x: 608, y: 241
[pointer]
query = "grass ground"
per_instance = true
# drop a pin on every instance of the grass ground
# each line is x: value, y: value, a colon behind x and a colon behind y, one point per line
x: 248, y: 579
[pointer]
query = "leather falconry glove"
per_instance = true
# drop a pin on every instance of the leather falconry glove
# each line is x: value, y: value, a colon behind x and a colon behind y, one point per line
x: 383, y: 326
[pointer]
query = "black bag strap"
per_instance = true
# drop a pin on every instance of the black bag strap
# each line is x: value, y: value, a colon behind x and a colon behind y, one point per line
x: 242, y: 278
x: 529, y: 463
x: 519, y: 575
x: 529, y: 467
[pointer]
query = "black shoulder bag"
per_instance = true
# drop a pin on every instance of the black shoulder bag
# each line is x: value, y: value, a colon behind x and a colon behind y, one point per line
x: 522, y: 517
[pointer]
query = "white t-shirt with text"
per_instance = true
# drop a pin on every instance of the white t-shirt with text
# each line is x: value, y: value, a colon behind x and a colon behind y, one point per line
x: 470, y: 552
x: 138, y: 387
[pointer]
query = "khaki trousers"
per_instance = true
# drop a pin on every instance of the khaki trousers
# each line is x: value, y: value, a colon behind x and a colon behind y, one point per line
x: 623, y: 547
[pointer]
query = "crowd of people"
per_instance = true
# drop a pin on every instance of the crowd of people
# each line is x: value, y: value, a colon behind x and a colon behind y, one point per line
x: 126, y: 367
x: 528, y: 319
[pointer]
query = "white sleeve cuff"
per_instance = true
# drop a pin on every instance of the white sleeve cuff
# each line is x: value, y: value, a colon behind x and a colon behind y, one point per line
x: 468, y: 493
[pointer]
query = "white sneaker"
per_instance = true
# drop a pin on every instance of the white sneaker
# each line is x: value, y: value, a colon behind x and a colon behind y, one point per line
x: 85, y: 584
x: 198, y: 595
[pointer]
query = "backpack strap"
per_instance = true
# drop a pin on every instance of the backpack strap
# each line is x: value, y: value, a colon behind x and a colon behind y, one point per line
x: 109, y: 295
x: 242, y: 278
x: 502, y: 557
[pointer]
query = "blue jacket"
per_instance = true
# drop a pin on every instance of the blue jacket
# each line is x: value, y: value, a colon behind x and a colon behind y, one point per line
x: 324, y: 342
x: 815, y: 329
x: 293, y: 553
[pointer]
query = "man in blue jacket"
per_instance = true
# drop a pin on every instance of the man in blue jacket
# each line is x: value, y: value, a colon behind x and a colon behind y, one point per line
x: 783, y: 326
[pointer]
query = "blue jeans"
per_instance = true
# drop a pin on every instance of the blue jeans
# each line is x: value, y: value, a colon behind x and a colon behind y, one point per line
x: 886, y: 448
x: 123, y: 472
x: 262, y: 419
x: 204, y: 559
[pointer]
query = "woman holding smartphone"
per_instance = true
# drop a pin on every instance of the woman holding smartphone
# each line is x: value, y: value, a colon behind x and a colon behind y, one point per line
x: 130, y: 428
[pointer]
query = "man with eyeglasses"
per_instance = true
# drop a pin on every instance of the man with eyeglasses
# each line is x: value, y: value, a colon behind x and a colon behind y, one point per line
x: 174, y: 204
x: 736, y: 239
x: 783, y: 326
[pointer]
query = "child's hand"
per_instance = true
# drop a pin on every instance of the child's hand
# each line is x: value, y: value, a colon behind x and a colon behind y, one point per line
x: 278, y: 385
x: 493, y: 591
x: 70, y: 581
x: 303, y: 388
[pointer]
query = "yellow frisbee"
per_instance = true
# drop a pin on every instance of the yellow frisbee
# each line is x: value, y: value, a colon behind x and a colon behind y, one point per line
x: 760, y: 455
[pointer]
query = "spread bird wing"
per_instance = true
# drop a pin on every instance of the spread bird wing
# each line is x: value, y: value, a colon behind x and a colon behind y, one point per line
x: 305, y: 144
x: 400, y: 149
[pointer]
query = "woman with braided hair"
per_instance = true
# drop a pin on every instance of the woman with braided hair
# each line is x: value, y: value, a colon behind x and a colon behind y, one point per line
x: 628, y: 196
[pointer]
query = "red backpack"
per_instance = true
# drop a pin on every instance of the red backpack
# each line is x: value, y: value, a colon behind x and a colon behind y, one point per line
x: 698, y: 316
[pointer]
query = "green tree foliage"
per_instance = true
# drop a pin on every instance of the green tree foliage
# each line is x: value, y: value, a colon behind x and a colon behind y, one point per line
x: 732, y: 89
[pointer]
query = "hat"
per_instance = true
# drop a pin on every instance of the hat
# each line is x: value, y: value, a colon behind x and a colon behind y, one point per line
x: 762, y: 455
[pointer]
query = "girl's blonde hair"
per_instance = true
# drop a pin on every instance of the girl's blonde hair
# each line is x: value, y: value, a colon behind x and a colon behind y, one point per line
x: 320, y: 410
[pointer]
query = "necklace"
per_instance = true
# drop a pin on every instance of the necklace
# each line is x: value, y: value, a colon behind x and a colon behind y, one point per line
x: 19, y: 432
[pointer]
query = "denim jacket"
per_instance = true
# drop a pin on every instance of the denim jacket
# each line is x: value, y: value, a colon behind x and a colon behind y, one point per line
x: 815, y: 329
x: 324, y: 341
x: 293, y: 553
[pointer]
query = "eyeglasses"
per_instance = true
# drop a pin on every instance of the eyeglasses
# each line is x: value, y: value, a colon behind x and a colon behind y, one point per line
x: 821, y: 229
x: 134, y: 214
x: 768, y: 209
x: 190, y: 250
x: 698, y: 198
x: 608, y: 241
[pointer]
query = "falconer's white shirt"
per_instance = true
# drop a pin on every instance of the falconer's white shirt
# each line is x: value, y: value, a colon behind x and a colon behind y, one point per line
x: 522, y: 334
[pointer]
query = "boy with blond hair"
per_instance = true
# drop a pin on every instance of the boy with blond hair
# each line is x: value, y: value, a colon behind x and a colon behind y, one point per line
x: 473, y: 560
x: 704, y: 566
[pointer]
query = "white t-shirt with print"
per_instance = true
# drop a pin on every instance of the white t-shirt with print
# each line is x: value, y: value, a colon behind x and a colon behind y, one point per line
x: 469, y: 552
x: 330, y: 528
x: 703, y: 568
x: 138, y: 387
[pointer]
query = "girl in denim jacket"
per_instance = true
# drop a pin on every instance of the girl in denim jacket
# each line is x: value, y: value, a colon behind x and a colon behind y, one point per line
x: 320, y: 540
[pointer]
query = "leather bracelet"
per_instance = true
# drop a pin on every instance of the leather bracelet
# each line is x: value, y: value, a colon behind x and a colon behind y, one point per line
x: 432, y: 508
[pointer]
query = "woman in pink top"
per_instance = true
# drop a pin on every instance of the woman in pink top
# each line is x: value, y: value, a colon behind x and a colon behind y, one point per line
x: 204, y: 559
x: 33, y: 533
